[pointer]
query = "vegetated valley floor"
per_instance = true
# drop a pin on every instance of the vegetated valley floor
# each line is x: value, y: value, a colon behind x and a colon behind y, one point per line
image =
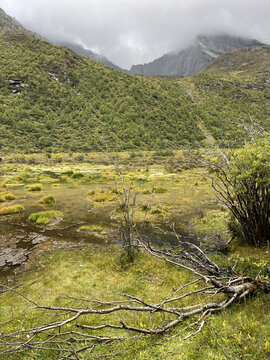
x: 78, y: 255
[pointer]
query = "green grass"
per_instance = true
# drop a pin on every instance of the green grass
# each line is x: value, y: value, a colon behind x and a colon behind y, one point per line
x: 6, y: 196
x: 45, y: 217
x: 97, y: 228
x: 84, y: 228
x: 15, y: 209
x: 34, y: 187
x: 241, y: 331
x: 159, y: 190
x: 47, y: 200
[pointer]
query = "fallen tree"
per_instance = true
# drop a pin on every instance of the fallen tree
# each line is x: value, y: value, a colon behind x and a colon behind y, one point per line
x: 72, y: 336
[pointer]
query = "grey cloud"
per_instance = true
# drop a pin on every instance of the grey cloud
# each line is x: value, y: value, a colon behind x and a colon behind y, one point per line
x: 137, y: 31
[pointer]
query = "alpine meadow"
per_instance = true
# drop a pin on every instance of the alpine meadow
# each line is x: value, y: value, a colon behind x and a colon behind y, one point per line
x: 134, y: 209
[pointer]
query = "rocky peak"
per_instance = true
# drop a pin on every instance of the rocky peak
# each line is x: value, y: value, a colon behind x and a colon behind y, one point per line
x: 196, y: 57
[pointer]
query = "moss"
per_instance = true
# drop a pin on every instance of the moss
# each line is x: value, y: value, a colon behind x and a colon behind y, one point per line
x: 116, y: 191
x: 97, y: 228
x: 47, y: 200
x: 34, y: 187
x: 45, y: 217
x: 15, y: 209
x: 84, y: 228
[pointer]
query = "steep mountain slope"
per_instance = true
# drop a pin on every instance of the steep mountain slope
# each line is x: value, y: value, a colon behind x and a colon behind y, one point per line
x: 9, y: 24
x: 194, y: 58
x: 79, y: 49
x: 234, y: 88
x: 52, y: 99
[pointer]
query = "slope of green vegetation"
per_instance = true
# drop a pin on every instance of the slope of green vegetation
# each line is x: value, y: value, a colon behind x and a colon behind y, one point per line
x: 54, y: 100
x: 66, y: 102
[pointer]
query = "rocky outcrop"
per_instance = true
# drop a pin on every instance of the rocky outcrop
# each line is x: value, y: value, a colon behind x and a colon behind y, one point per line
x: 16, y: 86
x: 194, y: 58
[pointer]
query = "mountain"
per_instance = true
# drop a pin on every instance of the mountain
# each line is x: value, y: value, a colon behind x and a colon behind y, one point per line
x: 79, y: 49
x: 194, y: 58
x: 52, y: 99
x: 9, y: 24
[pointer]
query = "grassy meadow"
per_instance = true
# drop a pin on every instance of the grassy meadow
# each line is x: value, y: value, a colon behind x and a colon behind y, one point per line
x: 76, y: 205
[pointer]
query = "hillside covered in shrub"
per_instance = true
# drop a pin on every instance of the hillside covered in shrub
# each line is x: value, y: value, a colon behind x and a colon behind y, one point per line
x: 52, y: 99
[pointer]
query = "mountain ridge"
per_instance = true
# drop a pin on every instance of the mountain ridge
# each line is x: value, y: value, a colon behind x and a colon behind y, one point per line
x: 54, y: 100
x: 194, y: 58
x: 9, y: 24
x: 81, y: 50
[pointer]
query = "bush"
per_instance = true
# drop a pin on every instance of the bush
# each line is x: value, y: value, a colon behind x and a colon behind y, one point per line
x: 242, y: 182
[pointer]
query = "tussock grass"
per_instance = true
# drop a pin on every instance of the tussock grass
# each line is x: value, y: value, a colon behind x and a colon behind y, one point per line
x: 45, y: 217
x: 97, y: 228
x: 34, y: 187
x: 84, y: 228
x: 15, y: 209
x: 6, y: 196
x: 47, y: 200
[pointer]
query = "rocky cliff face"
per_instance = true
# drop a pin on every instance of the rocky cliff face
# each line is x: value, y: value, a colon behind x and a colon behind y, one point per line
x: 195, y: 58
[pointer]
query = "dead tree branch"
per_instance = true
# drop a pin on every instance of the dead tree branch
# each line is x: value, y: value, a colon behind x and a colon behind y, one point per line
x: 72, y: 334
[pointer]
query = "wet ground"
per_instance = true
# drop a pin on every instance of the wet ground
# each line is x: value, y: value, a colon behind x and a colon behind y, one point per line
x: 20, y: 238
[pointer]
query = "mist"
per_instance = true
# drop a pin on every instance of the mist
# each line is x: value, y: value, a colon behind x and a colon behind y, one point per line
x: 130, y: 32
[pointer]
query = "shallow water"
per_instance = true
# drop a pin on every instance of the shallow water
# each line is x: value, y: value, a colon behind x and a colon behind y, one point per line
x: 17, y: 232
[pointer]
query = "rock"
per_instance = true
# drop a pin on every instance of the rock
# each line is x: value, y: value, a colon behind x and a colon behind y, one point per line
x: 11, y: 257
x: 53, y: 76
x: 16, y: 85
x: 39, y: 239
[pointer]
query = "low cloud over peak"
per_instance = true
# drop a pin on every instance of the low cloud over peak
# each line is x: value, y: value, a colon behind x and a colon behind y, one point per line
x: 137, y: 31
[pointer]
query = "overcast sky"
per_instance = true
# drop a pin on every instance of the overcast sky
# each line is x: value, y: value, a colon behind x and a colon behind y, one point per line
x: 137, y: 31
